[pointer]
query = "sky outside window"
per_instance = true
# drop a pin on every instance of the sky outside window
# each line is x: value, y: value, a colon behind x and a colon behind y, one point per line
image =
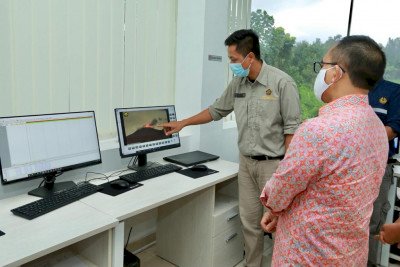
x: 308, y: 19
x: 378, y: 19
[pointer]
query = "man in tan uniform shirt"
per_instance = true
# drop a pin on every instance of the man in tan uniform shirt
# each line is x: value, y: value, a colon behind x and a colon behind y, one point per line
x: 267, y: 109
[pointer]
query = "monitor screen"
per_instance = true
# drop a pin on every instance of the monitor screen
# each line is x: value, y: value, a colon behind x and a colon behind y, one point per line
x: 41, y: 145
x: 139, y: 130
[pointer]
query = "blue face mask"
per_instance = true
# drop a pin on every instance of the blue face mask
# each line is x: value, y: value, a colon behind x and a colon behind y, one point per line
x: 238, y: 69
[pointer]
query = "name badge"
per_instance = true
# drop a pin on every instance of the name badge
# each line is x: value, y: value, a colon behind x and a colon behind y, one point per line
x: 240, y: 95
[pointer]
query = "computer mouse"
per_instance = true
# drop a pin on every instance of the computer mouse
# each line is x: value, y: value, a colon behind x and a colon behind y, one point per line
x: 199, y: 168
x: 119, y: 184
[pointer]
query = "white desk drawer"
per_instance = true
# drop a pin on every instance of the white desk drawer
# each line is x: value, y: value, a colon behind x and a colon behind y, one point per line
x: 227, y: 219
x: 228, y: 248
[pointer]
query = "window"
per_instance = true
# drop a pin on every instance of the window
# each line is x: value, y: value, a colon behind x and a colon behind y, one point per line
x: 60, y: 56
x: 294, y: 34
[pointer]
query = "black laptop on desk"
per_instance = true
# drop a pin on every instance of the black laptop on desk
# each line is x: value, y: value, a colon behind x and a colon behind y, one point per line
x: 191, y: 158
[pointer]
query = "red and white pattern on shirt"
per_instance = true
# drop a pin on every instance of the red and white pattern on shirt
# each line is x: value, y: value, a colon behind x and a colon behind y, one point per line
x: 324, y: 189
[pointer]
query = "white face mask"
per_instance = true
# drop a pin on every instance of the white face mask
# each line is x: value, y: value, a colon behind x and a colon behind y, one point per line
x: 320, y: 85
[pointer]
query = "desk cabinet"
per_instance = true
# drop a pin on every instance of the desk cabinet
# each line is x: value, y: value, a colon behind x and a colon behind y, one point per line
x: 202, y: 229
x: 227, y: 247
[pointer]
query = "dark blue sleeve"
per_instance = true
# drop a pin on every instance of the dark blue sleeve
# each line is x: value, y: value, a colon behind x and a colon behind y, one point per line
x: 393, y: 111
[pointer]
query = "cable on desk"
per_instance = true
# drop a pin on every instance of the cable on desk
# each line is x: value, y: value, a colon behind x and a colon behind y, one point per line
x: 96, y: 178
x: 106, y: 177
x: 117, y: 173
x: 135, y: 159
x: 54, y: 178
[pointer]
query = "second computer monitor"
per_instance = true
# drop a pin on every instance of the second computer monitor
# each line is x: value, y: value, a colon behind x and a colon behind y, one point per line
x: 46, y: 145
x: 140, y: 131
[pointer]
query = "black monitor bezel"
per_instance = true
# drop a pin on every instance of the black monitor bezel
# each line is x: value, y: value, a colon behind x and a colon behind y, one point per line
x: 58, y: 170
x: 150, y: 150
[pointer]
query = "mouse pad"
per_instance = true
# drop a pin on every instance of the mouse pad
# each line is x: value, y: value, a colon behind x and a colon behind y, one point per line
x: 107, y: 189
x: 196, y: 174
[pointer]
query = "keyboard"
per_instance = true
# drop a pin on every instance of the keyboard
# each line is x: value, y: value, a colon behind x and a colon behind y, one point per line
x: 55, y: 201
x: 146, y: 174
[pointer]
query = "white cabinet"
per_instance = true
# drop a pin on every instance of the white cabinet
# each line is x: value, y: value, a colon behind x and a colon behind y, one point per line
x: 202, y: 229
x: 227, y: 247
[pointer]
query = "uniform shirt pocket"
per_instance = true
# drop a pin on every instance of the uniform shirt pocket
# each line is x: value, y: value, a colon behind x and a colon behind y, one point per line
x: 268, y: 110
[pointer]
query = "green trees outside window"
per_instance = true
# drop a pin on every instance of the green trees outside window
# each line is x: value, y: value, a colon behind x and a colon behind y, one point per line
x: 280, y: 49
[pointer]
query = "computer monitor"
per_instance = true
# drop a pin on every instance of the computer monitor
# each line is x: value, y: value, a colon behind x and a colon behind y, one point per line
x: 139, y: 132
x: 45, y: 146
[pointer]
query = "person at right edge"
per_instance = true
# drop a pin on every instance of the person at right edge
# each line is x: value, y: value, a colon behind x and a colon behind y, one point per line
x: 320, y: 199
x: 385, y: 100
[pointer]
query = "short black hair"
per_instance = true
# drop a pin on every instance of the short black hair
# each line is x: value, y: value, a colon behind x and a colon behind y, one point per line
x: 246, y: 41
x: 362, y: 58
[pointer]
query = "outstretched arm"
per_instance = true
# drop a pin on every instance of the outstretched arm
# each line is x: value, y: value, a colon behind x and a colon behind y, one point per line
x: 176, y: 126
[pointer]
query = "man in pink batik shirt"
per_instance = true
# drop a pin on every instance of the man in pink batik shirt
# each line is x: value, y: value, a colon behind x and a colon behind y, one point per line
x: 321, y: 196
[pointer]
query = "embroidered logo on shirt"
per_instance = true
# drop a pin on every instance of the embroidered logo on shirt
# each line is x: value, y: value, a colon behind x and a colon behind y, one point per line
x: 383, y: 100
x: 268, y: 95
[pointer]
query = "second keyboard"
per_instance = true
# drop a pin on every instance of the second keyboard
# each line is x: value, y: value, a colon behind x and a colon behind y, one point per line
x: 55, y: 201
x: 142, y: 175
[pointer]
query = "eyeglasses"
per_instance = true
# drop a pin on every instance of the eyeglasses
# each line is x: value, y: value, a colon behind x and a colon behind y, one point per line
x: 319, y: 64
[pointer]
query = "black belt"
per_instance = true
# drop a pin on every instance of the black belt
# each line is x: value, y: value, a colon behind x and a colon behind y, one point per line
x: 263, y: 157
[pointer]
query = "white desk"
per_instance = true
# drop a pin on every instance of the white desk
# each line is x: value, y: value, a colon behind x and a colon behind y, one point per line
x: 192, y: 203
x: 160, y: 190
x: 97, y: 220
x: 26, y: 240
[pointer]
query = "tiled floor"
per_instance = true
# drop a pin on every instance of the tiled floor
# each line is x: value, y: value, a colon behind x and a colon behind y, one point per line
x: 267, y: 256
x: 148, y: 257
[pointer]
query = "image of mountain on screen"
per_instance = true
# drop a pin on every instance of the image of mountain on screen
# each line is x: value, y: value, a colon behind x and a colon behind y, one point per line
x: 146, y: 134
x: 154, y: 124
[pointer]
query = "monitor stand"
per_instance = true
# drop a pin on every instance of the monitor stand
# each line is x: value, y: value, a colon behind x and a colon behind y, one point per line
x: 143, y: 164
x: 50, y: 187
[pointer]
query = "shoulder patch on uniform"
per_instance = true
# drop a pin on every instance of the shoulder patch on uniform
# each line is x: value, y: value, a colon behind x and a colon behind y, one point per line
x: 383, y: 100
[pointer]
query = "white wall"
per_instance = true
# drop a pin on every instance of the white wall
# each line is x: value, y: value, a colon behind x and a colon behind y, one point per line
x: 189, y: 63
x: 213, y: 138
x: 74, y: 55
x: 201, y: 30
